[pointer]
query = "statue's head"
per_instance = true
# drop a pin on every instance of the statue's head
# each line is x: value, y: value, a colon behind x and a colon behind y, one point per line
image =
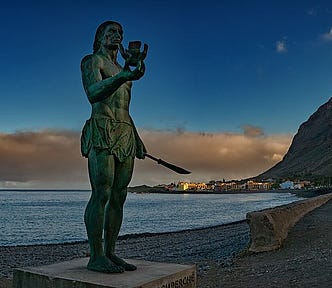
x: 100, y: 33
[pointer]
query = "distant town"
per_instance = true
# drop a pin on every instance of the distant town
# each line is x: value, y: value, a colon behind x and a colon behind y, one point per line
x: 241, y: 185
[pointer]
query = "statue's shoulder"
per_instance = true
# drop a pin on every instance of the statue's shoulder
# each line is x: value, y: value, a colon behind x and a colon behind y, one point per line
x: 91, y: 60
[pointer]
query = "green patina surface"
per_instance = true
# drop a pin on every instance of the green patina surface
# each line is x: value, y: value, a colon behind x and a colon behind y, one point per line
x: 109, y: 140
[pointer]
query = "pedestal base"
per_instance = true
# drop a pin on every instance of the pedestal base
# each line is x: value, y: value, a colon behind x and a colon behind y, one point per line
x: 74, y: 274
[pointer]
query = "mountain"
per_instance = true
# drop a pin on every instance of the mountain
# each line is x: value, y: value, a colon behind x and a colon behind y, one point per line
x: 310, y: 154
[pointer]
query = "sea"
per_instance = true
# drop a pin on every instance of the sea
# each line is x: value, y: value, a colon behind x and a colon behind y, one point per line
x: 49, y: 217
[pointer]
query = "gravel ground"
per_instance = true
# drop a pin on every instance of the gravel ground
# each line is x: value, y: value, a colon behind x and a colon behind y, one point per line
x: 305, y: 260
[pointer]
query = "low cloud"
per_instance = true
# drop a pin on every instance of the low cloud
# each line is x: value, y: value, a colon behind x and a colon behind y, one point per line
x: 281, y: 46
x: 52, y: 159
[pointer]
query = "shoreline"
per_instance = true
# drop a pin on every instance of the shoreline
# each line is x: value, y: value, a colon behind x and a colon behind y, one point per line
x: 144, y: 189
x: 130, y: 236
x: 298, y: 193
x: 146, y: 232
x: 305, y: 193
x: 301, y: 193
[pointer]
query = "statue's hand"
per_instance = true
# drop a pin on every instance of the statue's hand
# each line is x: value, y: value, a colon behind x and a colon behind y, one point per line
x: 136, y: 74
x: 140, y: 151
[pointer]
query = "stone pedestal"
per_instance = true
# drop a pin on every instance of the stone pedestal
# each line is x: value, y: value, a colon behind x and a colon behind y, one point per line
x: 73, y: 274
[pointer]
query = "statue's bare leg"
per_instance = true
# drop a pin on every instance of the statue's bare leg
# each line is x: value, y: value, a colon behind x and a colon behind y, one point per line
x: 114, y: 210
x: 101, y: 172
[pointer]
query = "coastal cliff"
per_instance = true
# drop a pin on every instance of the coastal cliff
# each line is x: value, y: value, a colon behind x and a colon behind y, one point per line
x: 310, y: 154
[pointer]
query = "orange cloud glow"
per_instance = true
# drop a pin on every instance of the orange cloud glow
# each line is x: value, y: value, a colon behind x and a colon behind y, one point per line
x: 210, y: 155
x: 52, y: 159
x: 46, y: 159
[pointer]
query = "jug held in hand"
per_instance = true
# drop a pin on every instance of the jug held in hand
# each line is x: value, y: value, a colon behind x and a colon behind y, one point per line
x: 133, y: 54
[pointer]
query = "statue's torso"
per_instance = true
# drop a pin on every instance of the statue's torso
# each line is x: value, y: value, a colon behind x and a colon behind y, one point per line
x: 116, y: 105
x: 110, y: 126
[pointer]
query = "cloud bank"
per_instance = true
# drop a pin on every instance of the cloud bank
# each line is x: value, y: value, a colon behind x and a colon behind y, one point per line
x: 44, y: 159
x: 211, y: 156
x: 52, y: 159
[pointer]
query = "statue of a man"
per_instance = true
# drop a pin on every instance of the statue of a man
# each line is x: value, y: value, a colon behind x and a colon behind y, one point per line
x: 110, y: 142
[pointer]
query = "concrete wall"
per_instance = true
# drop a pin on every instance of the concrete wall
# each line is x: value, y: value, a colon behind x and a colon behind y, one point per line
x: 269, y: 227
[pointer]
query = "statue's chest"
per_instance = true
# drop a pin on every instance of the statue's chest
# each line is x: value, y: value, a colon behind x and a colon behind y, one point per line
x: 109, y: 69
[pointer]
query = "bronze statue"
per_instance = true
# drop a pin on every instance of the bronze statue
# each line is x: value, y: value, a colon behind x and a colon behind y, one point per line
x: 110, y: 141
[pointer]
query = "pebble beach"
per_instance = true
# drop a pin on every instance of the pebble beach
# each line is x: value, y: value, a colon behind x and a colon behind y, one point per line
x: 219, y: 244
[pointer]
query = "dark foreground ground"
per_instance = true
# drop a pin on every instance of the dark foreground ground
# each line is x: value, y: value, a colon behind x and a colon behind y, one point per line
x: 305, y: 259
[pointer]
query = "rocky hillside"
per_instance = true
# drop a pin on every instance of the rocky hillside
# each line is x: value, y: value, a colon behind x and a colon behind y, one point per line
x: 310, y: 154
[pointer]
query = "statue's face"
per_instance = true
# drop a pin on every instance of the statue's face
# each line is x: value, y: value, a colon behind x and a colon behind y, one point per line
x: 113, y: 36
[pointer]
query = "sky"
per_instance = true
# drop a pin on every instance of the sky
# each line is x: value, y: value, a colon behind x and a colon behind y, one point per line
x: 226, y: 87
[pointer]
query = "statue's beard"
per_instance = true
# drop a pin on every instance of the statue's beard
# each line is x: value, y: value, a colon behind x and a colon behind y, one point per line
x: 111, y: 47
x: 114, y: 46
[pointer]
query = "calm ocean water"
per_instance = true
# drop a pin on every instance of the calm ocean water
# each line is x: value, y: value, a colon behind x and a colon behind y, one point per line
x: 41, y: 217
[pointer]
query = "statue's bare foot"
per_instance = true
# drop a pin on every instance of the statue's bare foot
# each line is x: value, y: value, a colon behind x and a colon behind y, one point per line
x: 104, y: 265
x: 118, y: 261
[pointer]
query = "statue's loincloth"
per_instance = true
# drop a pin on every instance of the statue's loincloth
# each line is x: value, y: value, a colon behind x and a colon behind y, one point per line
x: 100, y: 133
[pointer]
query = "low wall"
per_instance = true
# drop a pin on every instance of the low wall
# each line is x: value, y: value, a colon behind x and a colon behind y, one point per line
x: 269, y: 227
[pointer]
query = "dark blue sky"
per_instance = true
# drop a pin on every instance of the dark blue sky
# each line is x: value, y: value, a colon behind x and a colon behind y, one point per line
x: 212, y: 65
x: 226, y: 87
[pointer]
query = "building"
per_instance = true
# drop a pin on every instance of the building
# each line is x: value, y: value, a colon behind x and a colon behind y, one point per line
x: 287, y: 185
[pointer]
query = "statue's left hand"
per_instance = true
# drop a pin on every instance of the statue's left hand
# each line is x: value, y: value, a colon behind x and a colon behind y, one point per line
x: 136, y: 74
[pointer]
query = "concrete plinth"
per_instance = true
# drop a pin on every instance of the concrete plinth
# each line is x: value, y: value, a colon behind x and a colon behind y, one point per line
x: 73, y: 274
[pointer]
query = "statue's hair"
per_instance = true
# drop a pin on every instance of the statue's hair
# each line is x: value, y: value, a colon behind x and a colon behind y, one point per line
x: 100, y: 33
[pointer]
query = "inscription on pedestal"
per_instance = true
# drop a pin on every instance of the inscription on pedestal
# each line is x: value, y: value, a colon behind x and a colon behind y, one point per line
x: 185, y: 281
